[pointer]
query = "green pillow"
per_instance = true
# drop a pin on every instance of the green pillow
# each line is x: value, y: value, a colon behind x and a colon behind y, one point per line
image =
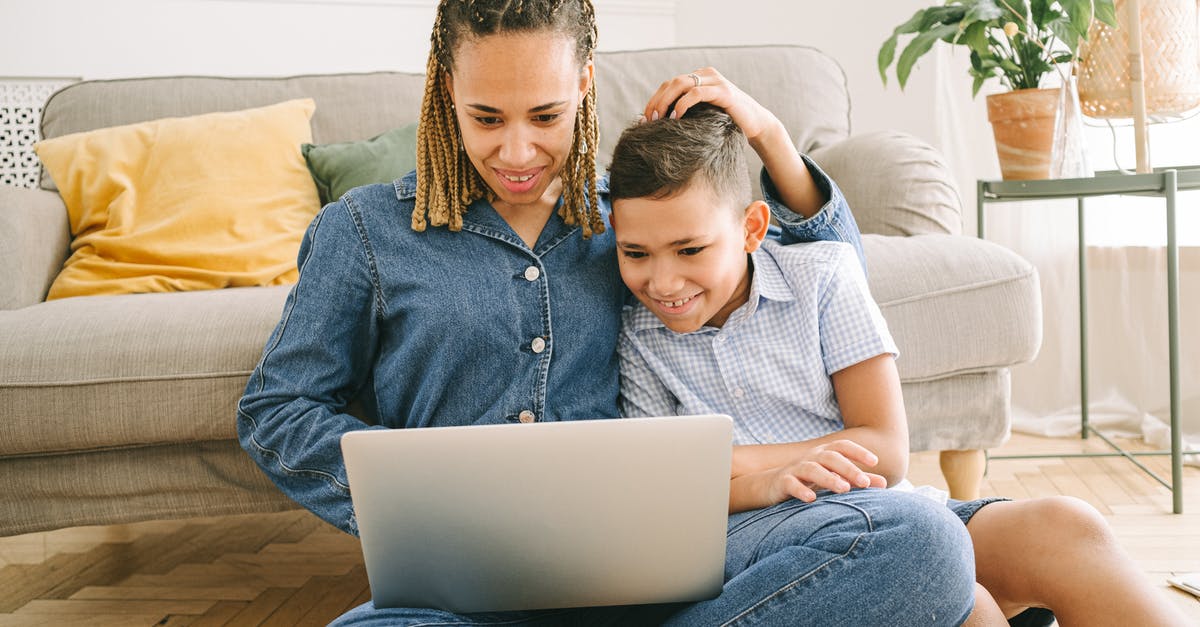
x: 337, y: 168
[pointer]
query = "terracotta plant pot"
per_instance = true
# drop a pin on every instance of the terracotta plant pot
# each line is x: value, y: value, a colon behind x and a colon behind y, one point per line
x: 1023, y: 124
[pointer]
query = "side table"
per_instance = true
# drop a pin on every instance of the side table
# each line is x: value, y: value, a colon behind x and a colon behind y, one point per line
x: 1163, y: 183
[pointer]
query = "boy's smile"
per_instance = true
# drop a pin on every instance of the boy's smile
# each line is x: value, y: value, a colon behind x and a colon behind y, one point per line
x: 685, y: 256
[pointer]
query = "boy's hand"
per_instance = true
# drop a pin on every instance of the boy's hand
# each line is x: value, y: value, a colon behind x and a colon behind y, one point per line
x: 833, y: 466
x: 708, y: 85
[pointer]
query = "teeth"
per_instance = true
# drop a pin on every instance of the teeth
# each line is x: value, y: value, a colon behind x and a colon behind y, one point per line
x: 519, y: 179
x: 677, y: 303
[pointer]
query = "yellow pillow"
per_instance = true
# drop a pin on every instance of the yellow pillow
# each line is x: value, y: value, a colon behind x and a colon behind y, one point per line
x: 204, y: 202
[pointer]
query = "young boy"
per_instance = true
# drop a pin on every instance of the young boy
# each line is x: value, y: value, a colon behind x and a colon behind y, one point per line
x: 821, y: 410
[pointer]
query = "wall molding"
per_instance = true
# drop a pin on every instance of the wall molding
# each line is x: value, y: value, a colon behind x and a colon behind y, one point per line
x: 616, y: 7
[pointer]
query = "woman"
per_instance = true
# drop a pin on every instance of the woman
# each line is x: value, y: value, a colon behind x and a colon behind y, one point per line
x: 494, y: 258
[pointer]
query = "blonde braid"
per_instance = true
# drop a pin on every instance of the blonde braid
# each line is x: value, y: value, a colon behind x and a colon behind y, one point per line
x: 447, y: 183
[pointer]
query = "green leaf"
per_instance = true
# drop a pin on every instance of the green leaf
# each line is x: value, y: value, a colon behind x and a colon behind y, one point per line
x: 1106, y: 12
x: 1021, y: 12
x: 1065, y: 32
x: 976, y: 85
x: 948, y: 14
x: 917, y: 48
x: 982, y: 11
x: 1038, y: 9
x: 1080, y: 12
x: 1063, y: 57
x: 975, y: 38
x: 887, y: 52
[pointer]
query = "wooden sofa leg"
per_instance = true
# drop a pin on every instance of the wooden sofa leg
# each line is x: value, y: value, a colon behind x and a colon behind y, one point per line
x: 964, y: 472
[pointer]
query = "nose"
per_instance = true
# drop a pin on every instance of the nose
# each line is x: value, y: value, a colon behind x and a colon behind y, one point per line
x: 665, y: 280
x: 518, y: 149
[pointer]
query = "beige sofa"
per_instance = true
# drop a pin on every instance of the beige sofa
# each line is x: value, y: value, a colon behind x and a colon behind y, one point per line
x: 121, y: 408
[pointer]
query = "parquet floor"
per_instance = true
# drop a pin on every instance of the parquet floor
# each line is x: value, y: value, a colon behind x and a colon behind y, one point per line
x: 292, y: 569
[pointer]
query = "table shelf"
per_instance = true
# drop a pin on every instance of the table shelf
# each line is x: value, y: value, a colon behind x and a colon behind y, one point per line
x: 1163, y: 183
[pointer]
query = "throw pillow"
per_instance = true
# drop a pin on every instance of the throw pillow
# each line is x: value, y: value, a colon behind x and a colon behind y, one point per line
x: 338, y: 168
x: 202, y: 202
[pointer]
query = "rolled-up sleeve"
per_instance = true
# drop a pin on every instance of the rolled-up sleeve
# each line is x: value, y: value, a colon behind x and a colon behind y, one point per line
x: 833, y: 222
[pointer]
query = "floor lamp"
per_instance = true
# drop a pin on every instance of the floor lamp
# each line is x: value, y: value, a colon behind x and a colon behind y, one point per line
x: 1145, y: 69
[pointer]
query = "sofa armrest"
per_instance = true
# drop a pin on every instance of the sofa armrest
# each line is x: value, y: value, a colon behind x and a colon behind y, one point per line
x: 34, y: 242
x: 895, y: 183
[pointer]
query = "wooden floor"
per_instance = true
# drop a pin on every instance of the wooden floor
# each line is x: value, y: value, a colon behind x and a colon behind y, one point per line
x: 293, y: 569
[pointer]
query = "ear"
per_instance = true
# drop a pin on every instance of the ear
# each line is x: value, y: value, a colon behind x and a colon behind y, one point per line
x: 757, y: 220
x: 586, y: 76
x: 448, y: 83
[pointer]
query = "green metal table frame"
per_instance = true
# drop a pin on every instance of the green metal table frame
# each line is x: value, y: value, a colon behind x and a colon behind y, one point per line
x: 1162, y: 183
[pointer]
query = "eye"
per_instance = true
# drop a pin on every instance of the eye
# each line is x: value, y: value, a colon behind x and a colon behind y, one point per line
x: 546, y: 118
x: 633, y: 254
x: 689, y: 252
x: 487, y: 120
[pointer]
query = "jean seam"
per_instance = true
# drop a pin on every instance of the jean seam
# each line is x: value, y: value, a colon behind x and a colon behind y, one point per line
x: 796, y: 582
x: 854, y: 546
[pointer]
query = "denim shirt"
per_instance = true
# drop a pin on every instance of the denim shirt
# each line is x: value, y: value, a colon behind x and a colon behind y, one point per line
x: 438, y: 328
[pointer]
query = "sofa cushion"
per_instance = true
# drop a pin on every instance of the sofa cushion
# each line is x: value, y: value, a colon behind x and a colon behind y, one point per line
x: 954, y: 304
x: 896, y: 183
x: 339, y: 167
x: 118, y: 371
x: 202, y: 202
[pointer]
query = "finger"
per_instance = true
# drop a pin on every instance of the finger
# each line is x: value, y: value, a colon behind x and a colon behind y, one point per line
x: 705, y: 93
x: 667, y: 93
x: 817, y: 475
x: 877, y: 481
x: 854, y: 452
x: 797, y: 489
x: 844, y: 467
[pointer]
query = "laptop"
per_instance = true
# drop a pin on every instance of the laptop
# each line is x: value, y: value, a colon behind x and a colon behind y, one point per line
x: 544, y: 515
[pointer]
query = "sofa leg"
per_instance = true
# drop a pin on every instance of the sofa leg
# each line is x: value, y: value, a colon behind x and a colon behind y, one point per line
x: 964, y: 472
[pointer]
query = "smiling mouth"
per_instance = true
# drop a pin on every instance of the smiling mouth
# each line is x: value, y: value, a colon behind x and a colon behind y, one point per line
x: 518, y: 179
x: 675, y: 304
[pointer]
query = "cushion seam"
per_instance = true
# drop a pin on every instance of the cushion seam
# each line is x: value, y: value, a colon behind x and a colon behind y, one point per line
x: 958, y: 289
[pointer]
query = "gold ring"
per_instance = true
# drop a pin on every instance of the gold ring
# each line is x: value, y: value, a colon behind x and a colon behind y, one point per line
x: 696, y: 78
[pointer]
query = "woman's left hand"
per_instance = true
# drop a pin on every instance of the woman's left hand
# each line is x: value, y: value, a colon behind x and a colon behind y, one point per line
x: 708, y: 85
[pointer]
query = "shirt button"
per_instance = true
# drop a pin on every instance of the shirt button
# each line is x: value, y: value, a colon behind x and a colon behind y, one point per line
x: 739, y: 392
x: 526, y: 416
x: 538, y: 345
x: 532, y: 273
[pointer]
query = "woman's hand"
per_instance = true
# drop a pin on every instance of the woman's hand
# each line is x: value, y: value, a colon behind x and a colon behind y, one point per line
x: 767, y: 135
x: 708, y: 85
x: 834, y: 466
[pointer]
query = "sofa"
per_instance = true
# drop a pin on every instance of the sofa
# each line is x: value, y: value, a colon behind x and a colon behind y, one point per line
x: 121, y: 408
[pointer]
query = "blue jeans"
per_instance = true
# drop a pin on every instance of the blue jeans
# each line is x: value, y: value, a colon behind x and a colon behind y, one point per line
x: 868, y: 557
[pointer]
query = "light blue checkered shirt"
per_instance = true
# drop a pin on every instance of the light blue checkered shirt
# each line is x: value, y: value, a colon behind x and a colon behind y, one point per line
x: 808, y: 316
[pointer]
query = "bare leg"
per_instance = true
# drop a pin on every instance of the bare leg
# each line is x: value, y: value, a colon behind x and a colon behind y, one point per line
x: 986, y: 611
x: 1058, y: 552
x: 963, y: 471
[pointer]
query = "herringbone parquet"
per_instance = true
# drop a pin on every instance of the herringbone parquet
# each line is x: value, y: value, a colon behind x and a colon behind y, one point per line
x: 292, y: 569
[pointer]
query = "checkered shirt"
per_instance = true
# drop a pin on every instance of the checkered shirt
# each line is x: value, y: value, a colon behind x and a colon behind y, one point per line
x: 808, y: 316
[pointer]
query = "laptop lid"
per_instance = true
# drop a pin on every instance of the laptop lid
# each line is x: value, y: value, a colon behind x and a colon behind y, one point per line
x: 543, y: 515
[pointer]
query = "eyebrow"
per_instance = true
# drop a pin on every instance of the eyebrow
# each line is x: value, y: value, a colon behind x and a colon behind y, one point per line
x: 537, y: 109
x: 678, y: 242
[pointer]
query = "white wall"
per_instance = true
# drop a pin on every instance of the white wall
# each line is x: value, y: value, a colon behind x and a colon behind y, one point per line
x: 118, y: 38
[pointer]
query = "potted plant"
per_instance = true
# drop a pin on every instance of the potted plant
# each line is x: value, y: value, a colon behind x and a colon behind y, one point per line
x: 1017, y: 41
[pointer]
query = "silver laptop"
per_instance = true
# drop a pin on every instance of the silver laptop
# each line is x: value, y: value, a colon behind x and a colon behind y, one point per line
x: 543, y: 515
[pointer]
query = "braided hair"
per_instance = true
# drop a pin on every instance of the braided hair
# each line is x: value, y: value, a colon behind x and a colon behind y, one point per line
x: 449, y: 183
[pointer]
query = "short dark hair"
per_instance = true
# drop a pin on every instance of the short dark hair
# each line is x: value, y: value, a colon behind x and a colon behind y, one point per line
x: 661, y: 158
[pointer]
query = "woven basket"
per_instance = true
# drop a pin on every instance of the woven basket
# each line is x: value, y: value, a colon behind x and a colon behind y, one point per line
x: 1170, y: 60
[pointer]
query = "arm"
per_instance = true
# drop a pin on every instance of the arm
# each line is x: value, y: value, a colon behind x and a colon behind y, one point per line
x: 805, y: 202
x: 873, y: 411
x: 292, y: 415
x: 34, y: 240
